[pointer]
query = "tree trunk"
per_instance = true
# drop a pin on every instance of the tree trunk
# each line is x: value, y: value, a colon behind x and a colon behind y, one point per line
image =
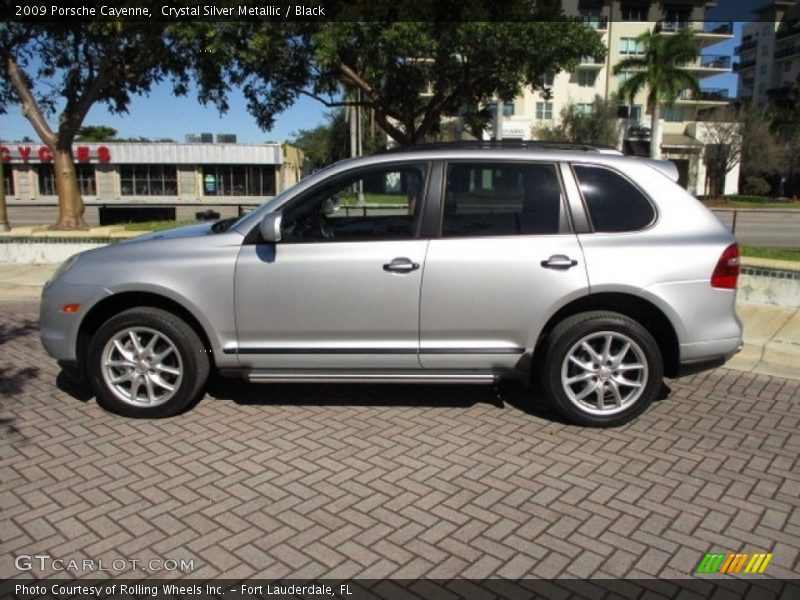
x: 70, y: 203
x: 655, y: 132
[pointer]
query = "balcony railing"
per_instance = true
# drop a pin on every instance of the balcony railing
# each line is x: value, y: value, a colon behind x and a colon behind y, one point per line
x: 708, y: 94
x: 698, y: 27
x: 745, y: 46
x: 598, y: 23
x: 591, y: 60
x: 744, y: 64
x: 715, y: 61
x: 787, y: 29
x: 791, y: 51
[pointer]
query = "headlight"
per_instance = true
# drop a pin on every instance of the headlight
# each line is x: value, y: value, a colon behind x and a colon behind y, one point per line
x: 64, y: 267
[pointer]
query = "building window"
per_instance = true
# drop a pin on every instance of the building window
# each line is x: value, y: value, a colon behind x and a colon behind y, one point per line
x: 508, y: 109
x: 546, y: 79
x: 624, y: 76
x: 47, y: 180
x: 629, y: 45
x: 148, y: 180
x: 544, y: 110
x: 585, y: 108
x: 764, y: 50
x: 238, y: 180
x: 673, y: 114
x: 8, y: 180
x: 634, y: 12
x: 763, y: 69
x: 635, y: 112
x: 587, y: 78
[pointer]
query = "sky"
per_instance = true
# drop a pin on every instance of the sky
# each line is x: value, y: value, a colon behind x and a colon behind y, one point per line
x: 163, y: 115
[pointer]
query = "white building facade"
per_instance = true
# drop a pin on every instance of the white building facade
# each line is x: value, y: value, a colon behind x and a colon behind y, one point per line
x: 620, y: 22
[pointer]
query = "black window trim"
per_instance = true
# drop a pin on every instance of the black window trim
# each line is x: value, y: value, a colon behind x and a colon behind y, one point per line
x: 254, y: 235
x: 565, y: 224
x: 588, y: 214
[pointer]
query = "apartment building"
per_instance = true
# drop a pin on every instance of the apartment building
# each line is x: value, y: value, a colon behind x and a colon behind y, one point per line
x: 683, y: 134
x: 769, y: 55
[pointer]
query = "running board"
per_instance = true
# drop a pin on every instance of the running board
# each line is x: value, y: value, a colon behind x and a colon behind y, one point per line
x: 370, y: 377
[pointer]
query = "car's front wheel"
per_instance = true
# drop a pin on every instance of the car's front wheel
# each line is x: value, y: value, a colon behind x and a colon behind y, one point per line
x: 146, y: 362
x: 601, y: 368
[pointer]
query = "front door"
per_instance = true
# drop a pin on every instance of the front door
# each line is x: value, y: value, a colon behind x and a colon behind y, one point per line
x: 341, y: 289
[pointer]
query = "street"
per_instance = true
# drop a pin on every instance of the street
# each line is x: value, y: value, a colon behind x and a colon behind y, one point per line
x: 374, y: 481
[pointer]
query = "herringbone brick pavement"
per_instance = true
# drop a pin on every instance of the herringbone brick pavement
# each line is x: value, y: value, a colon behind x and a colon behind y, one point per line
x: 380, y: 481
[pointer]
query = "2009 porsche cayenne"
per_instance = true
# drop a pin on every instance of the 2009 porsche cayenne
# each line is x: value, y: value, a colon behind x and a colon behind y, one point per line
x: 592, y: 271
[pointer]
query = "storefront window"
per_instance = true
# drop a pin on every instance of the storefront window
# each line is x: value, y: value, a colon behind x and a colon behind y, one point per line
x: 148, y: 180
x: 237, y: 180
x: 8, y: 180
x: 84, y: 174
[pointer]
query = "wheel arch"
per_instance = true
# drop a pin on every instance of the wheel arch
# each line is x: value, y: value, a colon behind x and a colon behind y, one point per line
x: 647, y: 314
x: 117, y: 303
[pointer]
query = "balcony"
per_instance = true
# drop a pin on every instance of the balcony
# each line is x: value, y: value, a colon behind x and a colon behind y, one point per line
x: 709, y: 62
x: 787, y: 52
x: 706, y: 96
x: 591, y: 62
x: 788, y: 29
x: 595, y: 22
x: 702, y: 29
x: 747, y: 44
x: 744, y: 65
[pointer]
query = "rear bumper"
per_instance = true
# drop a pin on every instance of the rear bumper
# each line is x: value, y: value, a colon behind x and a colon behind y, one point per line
x: 727, y: 349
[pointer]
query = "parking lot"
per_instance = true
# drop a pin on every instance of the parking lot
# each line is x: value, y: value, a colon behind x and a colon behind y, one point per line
x: 380, y: 481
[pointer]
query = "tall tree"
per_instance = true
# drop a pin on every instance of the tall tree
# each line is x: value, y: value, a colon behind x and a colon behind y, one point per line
x: 96, y: 133
x: 67, y: 67
x: 326, y: 143
x: 454, y: 55
x: 658, y: 70
x: 722, y: 136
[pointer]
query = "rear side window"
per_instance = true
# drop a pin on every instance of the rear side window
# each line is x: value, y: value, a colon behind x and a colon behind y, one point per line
x: 614, y: 203
x: 498, y: 199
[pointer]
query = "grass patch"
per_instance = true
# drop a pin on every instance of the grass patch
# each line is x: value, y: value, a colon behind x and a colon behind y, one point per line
x: 156, y: 225
x: 751, y: 202
x: 770, y: 253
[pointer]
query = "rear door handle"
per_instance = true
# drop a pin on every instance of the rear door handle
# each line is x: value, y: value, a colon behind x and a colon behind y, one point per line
x: 559, y: 261
x: 401, y: 265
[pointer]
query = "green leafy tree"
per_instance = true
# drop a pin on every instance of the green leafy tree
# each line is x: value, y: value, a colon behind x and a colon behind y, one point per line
x: 408, y: 73
x: 784, y: 111
x: 326, y: 143
x: 658, y: 70
x: 65, y: 68
x: 96, y: 133
x: 599, y: 126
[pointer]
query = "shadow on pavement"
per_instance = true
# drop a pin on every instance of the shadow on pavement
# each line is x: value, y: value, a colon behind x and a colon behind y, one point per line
x: 69, y: 384
x: 13, y: 380
x: 510, y: 393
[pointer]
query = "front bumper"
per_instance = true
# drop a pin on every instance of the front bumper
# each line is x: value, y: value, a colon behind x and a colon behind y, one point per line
x: 59, y: 330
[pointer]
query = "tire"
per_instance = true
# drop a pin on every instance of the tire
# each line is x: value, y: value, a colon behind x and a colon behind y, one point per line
x: 160, y: 378
x: 587, y: 387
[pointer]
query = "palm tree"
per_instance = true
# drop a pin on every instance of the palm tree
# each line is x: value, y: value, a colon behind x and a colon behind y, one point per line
x: 658, y: 70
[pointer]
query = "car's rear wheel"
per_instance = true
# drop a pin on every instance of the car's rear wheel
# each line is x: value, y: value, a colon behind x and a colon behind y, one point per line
x: 146, y: 362
x: 601, y: 368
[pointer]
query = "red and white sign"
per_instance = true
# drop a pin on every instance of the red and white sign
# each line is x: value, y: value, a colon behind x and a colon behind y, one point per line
x: 82, y: 154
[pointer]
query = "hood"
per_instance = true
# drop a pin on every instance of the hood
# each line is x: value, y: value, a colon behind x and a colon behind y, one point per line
x: 179, y: 232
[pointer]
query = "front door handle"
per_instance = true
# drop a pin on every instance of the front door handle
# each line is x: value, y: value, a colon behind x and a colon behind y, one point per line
x: 559, y: 261
x: 401, y: 265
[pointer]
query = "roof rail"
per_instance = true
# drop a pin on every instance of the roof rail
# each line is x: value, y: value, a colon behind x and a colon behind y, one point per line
x: 504, y: 144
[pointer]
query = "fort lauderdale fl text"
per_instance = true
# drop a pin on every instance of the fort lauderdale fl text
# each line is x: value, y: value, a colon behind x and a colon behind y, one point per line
x: 172, y: 12
x: 141, y: 590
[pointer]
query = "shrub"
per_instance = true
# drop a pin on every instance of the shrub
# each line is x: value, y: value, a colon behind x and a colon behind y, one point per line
x: 756, y: 186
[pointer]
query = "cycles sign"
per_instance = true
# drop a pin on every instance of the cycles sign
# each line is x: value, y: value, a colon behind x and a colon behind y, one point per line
x: 45, y: 154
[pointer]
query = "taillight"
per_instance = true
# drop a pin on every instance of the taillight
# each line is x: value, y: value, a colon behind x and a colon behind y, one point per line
x: 726, y: 273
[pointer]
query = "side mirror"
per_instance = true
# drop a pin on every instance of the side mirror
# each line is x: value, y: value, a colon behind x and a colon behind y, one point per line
x: 270, y: 227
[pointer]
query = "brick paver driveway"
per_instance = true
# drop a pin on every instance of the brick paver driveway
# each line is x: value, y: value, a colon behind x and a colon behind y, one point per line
x: 379, y: 481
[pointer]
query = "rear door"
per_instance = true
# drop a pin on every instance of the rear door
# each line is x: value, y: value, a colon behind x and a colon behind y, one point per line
x: 505, y: 261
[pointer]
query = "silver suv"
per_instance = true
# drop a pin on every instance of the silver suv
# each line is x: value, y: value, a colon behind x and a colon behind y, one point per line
x: 592, y: 272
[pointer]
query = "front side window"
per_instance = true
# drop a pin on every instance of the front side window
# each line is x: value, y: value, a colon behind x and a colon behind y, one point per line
x: 148, y: 180
x: 613, y: 202
x: 500, y: 199
x: 381, y: 204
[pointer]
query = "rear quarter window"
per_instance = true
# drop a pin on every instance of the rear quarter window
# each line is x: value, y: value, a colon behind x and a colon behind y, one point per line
x: 613, y: 202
